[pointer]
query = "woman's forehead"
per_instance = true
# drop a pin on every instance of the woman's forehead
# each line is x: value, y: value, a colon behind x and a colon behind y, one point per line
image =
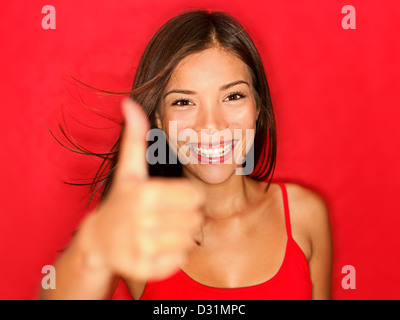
x: 212, y: 66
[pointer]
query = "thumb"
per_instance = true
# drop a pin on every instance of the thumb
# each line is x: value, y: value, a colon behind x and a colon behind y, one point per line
x: 132, y: 154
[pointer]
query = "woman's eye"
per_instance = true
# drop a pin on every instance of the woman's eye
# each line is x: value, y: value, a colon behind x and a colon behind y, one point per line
x: 181, y: 102
x: 232, y: 97
x: 235, y: 96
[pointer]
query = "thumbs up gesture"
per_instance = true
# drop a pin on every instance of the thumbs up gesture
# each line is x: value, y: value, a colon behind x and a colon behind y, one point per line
x: 144, y: 227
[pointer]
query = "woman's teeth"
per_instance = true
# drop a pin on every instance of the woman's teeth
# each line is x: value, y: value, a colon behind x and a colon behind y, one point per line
x: 213, y: 153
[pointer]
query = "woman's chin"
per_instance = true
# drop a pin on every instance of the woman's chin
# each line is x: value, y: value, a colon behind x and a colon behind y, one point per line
x: 212, y: 173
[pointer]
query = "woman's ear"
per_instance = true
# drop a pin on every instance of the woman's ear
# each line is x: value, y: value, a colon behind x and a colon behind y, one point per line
x: 158, y: 120
x: 258, y: 112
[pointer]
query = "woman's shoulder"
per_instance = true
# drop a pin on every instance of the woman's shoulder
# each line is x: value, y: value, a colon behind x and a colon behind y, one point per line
x: 306, y: 199
x: 307, y: 204
x: 307, y: 207
x: 299, y: 197
x: 309, y: 216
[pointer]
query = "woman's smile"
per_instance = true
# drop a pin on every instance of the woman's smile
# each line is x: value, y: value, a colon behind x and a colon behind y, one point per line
x: 213, y: 153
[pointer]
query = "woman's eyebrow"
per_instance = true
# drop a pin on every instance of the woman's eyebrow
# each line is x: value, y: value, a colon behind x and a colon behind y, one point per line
x: 224, y: 87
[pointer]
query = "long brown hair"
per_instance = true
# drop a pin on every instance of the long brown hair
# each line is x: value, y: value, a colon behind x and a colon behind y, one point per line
x: 187, y: 33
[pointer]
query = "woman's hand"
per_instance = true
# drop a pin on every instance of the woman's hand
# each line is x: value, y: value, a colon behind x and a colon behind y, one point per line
x: 144, y: 227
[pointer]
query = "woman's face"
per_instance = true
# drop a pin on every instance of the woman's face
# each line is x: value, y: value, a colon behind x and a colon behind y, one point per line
x: 206, y: 108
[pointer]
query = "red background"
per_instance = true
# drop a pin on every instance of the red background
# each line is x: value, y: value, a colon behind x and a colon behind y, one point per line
x: 335, y: 91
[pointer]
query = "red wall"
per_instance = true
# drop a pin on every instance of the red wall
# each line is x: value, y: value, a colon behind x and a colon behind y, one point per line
x: 336, y: 94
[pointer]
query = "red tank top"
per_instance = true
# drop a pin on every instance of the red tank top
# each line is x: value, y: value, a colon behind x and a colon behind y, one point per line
x: 292, y: 281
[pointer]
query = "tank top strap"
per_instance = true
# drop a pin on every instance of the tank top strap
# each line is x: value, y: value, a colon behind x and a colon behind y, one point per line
x: 286, y: 208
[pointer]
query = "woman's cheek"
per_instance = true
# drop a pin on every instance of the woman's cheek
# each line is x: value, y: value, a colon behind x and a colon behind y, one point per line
x: 177, y: 134
x: 242, y: 114
x: 242, y: 121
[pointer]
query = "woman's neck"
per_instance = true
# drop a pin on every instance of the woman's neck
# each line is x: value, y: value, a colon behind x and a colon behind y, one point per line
x: 226, y: 199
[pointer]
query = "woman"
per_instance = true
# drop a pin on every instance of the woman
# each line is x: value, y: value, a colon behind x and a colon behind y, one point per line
x: 200, y: 230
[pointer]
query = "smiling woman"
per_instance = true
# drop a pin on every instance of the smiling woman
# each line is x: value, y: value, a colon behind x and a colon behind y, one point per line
x: 216, y: 108
x: 171, y: 231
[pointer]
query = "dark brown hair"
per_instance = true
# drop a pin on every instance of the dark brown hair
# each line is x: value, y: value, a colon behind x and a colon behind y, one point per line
x: 187, y: 33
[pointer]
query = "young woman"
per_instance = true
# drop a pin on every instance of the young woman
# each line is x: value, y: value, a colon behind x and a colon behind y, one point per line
x: 199, y: 230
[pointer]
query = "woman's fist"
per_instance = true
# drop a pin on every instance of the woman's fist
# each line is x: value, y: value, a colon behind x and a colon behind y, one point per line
x: 144, y: 227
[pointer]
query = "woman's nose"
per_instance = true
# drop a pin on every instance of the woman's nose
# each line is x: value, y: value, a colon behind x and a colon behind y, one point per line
x: 211, y: 118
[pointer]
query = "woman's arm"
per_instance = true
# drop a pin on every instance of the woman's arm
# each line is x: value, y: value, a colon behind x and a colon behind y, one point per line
x: 316, y: 219
x: 311, y: 229
x: 141, y: 231
x: 78, y: 275
x: 320, y: 263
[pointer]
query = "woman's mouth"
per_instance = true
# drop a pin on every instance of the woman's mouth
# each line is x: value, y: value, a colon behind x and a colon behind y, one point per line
x: 213, y: 153
x: 216, y: 154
